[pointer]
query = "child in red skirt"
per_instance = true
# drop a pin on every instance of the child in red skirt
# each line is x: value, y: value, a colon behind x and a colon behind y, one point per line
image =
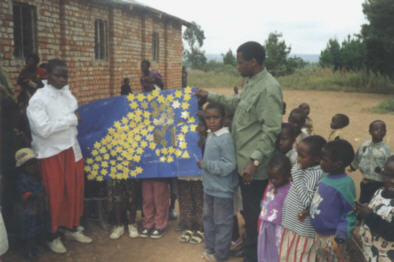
x: 53, y: 123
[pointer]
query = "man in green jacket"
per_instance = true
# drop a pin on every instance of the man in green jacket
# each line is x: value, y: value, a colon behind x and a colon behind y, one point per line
x: 256, y: 125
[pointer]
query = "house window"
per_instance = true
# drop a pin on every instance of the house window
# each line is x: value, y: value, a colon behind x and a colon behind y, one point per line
x: 24, y: 30
x: 100, y: 34
x: 155, y: 46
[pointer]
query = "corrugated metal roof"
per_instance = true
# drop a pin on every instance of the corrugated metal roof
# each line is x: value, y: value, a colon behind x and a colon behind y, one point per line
x: 131, y: 4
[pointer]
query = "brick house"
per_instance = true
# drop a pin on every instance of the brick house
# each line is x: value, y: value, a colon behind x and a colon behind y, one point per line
x: 102, y: 41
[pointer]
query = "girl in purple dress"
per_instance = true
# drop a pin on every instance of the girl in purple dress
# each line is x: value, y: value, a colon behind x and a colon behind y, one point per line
x: 269, y: 226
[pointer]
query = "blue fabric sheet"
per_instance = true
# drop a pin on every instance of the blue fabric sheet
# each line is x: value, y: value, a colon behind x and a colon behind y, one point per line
x: 144, y: 135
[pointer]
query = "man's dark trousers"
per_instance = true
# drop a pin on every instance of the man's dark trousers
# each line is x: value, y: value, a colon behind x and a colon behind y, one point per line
x: 251, y: 198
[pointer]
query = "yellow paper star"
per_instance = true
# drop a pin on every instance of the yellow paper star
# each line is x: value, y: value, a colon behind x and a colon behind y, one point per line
x: 155, y: 93
x: 178, y: 93
x: 89, y: 161
x: 144, y: 144
x: 185, y: 105
x: 100, y: 179
x: 170, y: 98
x: 187, y: 97
x: 152, y: 145
x: 140, y: 97
x: 161, y: 99
x: 170, y: 159
x: 140, y: 151
x: 133, y: 105
x: 184, y: 129
x: 104, y: 164
x: 94, y: 152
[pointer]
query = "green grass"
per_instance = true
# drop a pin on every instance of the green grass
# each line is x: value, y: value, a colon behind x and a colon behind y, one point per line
x: 310, y: 78
x: 387, y: 106
x: 317, y: 78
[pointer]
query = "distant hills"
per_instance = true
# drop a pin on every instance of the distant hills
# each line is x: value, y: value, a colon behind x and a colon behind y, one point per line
x: 310, y: 58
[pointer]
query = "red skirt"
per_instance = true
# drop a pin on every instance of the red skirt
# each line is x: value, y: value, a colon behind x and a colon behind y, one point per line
x: 63, y: 179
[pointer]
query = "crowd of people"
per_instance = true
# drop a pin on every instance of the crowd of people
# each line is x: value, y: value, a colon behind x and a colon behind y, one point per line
x: 289, y: 184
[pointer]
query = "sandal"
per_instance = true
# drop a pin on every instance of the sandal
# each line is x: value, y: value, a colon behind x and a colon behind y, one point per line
x: 197, y: 238
x: 185, y: 237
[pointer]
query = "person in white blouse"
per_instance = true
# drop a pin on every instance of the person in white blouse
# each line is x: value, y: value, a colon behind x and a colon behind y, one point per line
x: 53, y: 123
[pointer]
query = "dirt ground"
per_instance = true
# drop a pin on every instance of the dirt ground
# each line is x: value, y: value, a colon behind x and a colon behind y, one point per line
x: 323, y: 106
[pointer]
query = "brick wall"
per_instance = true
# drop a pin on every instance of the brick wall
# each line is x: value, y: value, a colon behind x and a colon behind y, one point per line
x: 65, y: 29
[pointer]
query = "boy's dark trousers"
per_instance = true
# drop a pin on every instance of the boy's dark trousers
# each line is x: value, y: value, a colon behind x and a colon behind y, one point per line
x: 251, y: 199
x: 218, y: 225
x: 368, y: 189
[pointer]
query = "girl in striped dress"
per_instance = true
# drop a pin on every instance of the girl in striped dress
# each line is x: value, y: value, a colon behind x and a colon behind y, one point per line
x: 297, y: 242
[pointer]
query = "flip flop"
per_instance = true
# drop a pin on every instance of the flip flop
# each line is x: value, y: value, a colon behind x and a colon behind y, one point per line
x: 197, y: 238
x: 185, y: 237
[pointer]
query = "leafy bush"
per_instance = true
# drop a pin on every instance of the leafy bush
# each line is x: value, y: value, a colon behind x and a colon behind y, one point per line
x: 387, y: 106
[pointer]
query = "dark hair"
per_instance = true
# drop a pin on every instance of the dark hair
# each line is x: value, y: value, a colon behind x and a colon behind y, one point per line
x: 33, y: 56
x: 201, y: 117
x: 54, y: 63
x: 344, y: 119
x: 290, y: 129
x: 304, y: 105
x: 217, y: 106
x: 145, y: 61
x: 340, y: 150
x: 280, y: 160
x: 284, y: 108
x: 252, y: 50
x: 315, y: 144
x: 126, y: 79
x: 375, y: 122
x: 297, y: 111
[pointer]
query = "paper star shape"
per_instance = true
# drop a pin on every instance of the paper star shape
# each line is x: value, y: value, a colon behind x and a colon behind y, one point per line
x: 176, y: 104
x: 185, y: 114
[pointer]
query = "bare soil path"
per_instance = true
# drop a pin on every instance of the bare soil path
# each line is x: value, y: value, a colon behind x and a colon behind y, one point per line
x: 323, y: 106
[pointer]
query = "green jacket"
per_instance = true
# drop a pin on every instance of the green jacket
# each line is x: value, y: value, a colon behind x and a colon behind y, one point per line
x: 257, y: 120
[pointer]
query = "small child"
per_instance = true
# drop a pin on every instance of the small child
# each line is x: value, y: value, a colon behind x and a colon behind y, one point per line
x: 297, y: 120
x: 219, y: 182
x: 270, y: 220
x: 308, y: 126
x: 338, y: 123
x: 370, y: 159
x: 305, y: 178
x: 31, y: 208
x: 377, y: 229
x: 331, y: 210
x: 125, y: 89
x: 190, y: 196
x: 285, y: 142
x: 123, y: 196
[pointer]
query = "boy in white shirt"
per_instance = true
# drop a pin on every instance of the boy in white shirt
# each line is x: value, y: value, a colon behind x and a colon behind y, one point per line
x: 53, y: 123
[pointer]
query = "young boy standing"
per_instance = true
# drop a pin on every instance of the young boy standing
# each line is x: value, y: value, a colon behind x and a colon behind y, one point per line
x: 370, y: 159
x: 53, y: 122
x: 219, y: 182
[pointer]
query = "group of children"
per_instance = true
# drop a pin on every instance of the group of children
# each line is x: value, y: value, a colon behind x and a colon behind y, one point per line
x: 309, y: 209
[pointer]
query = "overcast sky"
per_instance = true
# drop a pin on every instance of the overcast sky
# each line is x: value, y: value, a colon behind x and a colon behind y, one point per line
x: 306, y: 25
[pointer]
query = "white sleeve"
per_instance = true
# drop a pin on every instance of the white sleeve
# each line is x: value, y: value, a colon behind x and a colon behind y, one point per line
x: 42, y: 125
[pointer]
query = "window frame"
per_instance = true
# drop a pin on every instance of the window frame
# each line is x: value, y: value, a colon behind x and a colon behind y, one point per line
x: 24, y: 30
x: 155, y: 46
x: 100, y: 39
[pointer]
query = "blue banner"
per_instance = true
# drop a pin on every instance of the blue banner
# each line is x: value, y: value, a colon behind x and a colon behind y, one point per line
x: 144, y: 135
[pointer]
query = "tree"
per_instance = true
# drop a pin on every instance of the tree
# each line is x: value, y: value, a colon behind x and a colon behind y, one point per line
x: 331, y: 56
x: 352, y: 53
x: 277, y: 52
x: 194, y: 37
x: 229, y: 58
x: 277, y: 61
x: 378, y: 36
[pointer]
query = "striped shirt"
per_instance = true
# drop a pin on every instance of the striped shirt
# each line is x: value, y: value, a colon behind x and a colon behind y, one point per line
x: 303, y: 186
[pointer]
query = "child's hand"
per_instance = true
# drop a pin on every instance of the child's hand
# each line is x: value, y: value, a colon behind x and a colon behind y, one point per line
x: 199, y: 163
x: 362, y: 210
x: 302, y: 215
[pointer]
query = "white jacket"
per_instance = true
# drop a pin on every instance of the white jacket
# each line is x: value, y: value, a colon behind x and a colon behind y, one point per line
x: 53, y: 123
